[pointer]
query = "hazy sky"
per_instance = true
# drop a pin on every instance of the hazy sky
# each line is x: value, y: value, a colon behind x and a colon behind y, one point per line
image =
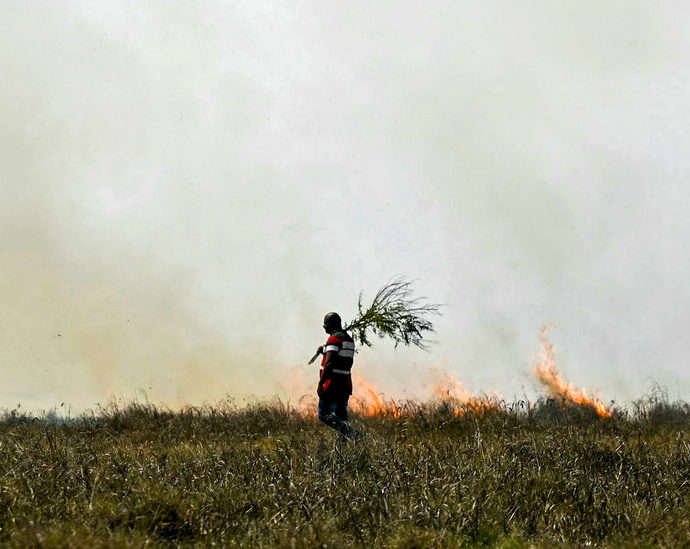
x: 187, y: 187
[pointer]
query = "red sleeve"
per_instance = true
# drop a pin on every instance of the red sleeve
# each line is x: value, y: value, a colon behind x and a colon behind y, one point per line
x: 332, y: 344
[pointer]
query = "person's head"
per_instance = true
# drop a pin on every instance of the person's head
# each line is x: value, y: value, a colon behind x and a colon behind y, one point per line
x: 332, y: 322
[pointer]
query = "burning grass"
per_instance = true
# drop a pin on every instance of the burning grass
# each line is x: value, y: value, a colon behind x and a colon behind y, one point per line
x: 559, y: 389
x: 446, y: 390
x: 518, y: 474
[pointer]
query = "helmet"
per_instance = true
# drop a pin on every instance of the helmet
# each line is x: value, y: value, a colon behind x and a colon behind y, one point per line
x: 332, y: 320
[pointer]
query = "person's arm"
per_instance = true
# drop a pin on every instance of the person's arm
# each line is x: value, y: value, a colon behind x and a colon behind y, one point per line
x: 325, y: 379
x: 319, y: 351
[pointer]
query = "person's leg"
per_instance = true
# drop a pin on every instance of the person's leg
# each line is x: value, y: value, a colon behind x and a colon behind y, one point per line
x: 341, y: 411
x: 328, y: 414
x: 341, y: 408
x: 326, y: 410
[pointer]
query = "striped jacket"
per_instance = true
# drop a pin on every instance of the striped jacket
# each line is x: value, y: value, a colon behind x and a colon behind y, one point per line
x: 336, y: 379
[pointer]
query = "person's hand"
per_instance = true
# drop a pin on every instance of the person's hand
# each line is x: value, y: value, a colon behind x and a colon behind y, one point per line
x: 319, y: 351
x: 322, y: 387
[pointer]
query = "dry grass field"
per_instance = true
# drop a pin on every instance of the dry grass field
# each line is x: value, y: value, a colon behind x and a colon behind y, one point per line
x: 516, y: 475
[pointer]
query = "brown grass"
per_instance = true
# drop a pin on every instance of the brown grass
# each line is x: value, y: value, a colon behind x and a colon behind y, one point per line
x: 265, y: 475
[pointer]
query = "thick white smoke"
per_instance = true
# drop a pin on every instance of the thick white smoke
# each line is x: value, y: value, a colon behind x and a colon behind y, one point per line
x: 186, y: 188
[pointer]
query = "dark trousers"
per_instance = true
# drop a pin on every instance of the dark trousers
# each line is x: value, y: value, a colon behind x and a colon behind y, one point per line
x: 333, y: 412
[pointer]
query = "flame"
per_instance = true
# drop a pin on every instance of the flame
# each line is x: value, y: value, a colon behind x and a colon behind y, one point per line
x: 452, y: 392
x: 558, y: 388
x: 367, y: 399
x: 370, y: 402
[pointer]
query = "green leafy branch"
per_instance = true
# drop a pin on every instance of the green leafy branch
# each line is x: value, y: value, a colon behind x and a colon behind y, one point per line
x: 396, y: 314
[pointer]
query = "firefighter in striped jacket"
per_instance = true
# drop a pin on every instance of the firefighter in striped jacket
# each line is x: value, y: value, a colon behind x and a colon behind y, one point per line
x: 335, y: 380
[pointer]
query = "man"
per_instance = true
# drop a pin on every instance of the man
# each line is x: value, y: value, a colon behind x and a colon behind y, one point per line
x: 335, y: 381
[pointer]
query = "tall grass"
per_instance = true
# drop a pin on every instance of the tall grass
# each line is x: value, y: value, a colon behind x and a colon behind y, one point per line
x: 265, y: 475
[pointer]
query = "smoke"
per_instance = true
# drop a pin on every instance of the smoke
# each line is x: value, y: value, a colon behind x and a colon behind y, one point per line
x: 186, y: 189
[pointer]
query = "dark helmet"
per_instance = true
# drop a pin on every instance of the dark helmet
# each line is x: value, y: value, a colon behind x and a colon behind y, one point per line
x: 332, y: 321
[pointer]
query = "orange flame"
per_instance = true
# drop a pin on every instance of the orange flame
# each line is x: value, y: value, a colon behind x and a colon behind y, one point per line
x: 372, y: 403
x: 461, y: 400
x: 369, y: 401
x: 558, y: 388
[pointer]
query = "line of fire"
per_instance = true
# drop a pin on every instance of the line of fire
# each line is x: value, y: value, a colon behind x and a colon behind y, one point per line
x: 396, y: 314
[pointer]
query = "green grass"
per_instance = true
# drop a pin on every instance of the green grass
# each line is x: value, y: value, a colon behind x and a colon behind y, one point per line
x: 265, y: 476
